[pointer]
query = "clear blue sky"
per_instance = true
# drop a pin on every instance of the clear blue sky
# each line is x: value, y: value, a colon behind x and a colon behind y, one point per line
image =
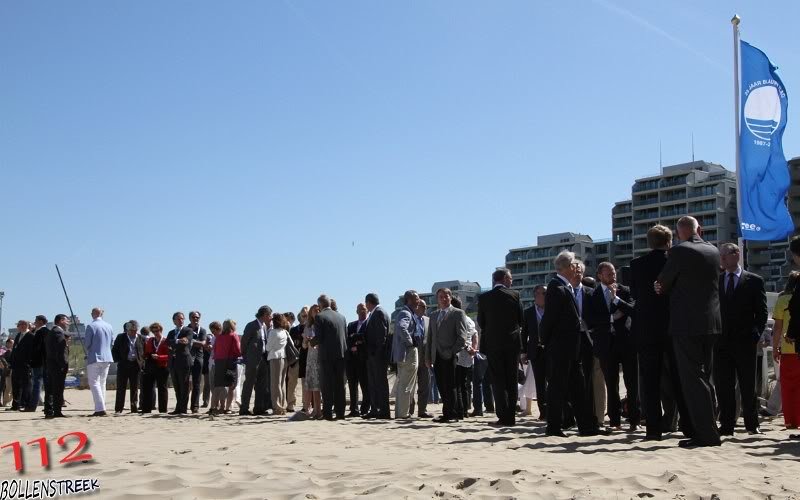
x: 219, y: 156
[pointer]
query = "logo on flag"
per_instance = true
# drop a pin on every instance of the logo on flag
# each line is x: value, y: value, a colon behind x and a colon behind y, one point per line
x: 762, y: 111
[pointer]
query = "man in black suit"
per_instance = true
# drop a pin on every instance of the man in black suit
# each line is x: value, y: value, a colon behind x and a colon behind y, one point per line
x: 128, y: 356
x: 21, y: 383
x: 500, y: 318
x: 609, y: 310
x: 535, y: 349
x: 356, y: 361
x: 38, y: 372
x: 377, y: 333
x: 198, y: 342
x: 179, y: 340
x: 56, y: 345
x: 256, y: 365
x: 649, y: 329
x: 331, y: 331
x: 691, y: 279
x: 560, y: 331
x: 743, y: 306
x: 594, y: 382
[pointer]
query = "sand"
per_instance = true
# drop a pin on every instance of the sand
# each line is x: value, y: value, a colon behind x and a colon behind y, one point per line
x: 198, y: 456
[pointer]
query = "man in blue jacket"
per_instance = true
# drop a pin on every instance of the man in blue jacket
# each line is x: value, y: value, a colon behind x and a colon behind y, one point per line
x: 98, y: 341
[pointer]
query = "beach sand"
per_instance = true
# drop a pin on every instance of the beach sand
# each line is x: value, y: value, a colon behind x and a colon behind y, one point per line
x: 197, y: 456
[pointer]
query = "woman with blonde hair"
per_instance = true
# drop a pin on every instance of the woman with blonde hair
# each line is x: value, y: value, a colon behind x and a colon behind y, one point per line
x: 277, y: 338
x: 227, y: 349
x: 311, y: 382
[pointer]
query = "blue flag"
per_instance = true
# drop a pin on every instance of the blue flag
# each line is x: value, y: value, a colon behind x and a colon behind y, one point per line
x: 764, y: 175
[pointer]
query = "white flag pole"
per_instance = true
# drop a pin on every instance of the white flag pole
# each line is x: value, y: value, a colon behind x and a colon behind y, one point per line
x: 736, y: 85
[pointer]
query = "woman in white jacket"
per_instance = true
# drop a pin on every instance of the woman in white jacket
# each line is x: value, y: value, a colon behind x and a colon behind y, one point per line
x: 277, y: 338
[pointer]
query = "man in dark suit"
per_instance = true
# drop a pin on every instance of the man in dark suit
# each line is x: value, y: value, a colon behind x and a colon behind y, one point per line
x: 535, y: 349
x: 743, y: 306
x: 256, y: 366
x: 560, y: 331
x: 691, y: 279
x: 594, y: 382
x: 128, y: 354
x: 377, y: 333
x: 649, y: 329
x: 56, y: 345
x: 179, y: 340
x: 199, y: 341
x: 331, y: 331
x: 500, y: 318
x: 609, y: 310
x: 21, y: 367
x: 356, y: 362
x: 38, y: 372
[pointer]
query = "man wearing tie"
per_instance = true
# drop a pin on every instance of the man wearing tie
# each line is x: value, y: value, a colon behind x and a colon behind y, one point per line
x: 423, y: 371
x: 691, y: 279
x: 331, y: 331
x: 256, y: 365
x: 560, y: 331
x: 609, y: 309
x: 743, y: 306
x: 56, y: 346
x: 500, y: 320
x: 356, y: 360
x: 377, y: 332
x: 199, y: 341
x: 594, y: 382
x: 535, y: 349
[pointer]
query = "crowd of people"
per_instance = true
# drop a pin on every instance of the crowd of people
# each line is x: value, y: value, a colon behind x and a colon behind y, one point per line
x: 684, y: 335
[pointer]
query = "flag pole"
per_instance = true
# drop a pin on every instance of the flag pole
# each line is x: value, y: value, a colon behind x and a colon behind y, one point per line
x: 735, y: 22
x: 71, y: 313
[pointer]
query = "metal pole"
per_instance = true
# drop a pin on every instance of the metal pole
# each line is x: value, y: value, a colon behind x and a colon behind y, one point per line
x: 736, y: 85
x: 71, y: 313
x: 2, y: 295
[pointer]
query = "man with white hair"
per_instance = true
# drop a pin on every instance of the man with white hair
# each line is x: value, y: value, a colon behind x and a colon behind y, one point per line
x: 98, y: 340
x: 690, y: 278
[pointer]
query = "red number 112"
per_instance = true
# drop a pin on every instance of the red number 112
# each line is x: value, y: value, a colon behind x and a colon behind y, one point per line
x: 44, y: 450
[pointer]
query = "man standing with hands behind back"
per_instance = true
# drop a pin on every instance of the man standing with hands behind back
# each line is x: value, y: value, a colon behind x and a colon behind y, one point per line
x: 691, y: 279
x: 98, y: 339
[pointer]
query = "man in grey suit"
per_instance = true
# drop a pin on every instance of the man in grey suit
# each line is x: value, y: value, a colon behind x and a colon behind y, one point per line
x: 691, y: 279
x: 449, y: 334
x: 256, y: 366
x: 331, y: 330
x: 377, y: 332
x: 409, y: 333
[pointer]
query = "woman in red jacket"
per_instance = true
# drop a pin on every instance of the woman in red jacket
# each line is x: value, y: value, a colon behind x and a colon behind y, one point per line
x: 156, y: 357
x: 227, y: 349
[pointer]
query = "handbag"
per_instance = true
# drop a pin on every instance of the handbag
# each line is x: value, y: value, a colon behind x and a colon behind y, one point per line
x: 292, y: 354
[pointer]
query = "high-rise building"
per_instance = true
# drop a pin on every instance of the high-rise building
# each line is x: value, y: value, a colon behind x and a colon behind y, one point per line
x: 533, y: 265
x: 706, y: 191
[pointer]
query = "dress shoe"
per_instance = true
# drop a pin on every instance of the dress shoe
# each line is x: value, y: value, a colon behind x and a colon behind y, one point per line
x: 134, y: 409
x: 384, y: 416
x: 726, y: 432
x: 353, y: 414
x: 204, y: 405
x: 329, y: 418
x: 555, y: 434
x: 28, y: 410
x: 490, y: 409
x: 595, y: 432
x: 370, y: 415
x: 13, y: 408
x: 244, y: 413
x: 98, y: 414
x: 118, y: 412
x: 195, y: 410
x: 425, y: 415
x: 476, y: 414
x: 693, y: 443
x: 60, y: 415
x: 755, y: 431
x: 653, y: 437
x: 49, y: 416
x: 340, y: 417
x: 442, y: 420
x: 633, y: 428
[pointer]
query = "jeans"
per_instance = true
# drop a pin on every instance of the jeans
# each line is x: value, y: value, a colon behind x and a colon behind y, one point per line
x: 37, y: 381
x: 481, y: 386
x: 97, y: 374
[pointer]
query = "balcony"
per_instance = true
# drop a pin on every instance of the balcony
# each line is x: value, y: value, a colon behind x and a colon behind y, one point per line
x: 645, y: 215
x: 705, y: 191
x: 673, y: 181
x: 703, y: 207
x: 620, y: 223
x: 621, y: 209
x: 645, y: 200
x: 665, y: 198
x: 673, y: 211
x: 645, y: 186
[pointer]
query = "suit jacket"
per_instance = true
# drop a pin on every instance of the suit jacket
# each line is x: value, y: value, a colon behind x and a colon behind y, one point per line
x: 691, y: 278
x: 356, y: 337
x: 198, y: 353
x: 98, y: 340
x: 650, y: 311
x: 530, y: 332
x: 23, y: 351
x: 405, y: 325
x: 453, y: 327
x: 377, y: 331
x: 181, y: 354
x: 744, y: 315
x: 55, y: 345
x: 500, y: 320
x: 598, y: 315
x: 331, y: 331
x: 252, y: 342
x: 37, y: 352
x: 119, y: 351
x: 560, y: 329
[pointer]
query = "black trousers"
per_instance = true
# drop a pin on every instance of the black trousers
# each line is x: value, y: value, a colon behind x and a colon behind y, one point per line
x: 463, y: 389
x: 694, y: 356
x: 154, y: 377
x: 661, y: 386
x: 538, y: 362
x: 333, y: 397
x: 621, y: 353
x: 482, y: 386
x: 356, y: 368
x: 378, y: 384
x: 503, y: 369
x: 445, y: 371
x: 55, y: 390
x: 735, y: 360
x: 587, y: 369
x: 566, y: 383
x: 256, y: 379
x: 180, y: 384
x: 127, y: 375
x: 423, y: 387
x: 197, y: 382
x: 21, y: 386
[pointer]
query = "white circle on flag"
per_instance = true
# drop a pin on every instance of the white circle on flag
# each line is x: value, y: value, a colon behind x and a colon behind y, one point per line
x: 762, y: 111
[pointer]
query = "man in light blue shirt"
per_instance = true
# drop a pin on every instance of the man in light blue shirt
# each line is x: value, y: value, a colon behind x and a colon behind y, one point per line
x: 98, y: 341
